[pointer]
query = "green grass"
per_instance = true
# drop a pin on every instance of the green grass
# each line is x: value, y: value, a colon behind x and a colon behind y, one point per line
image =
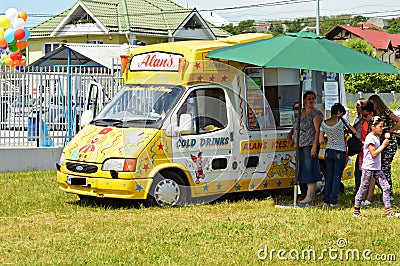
x: 40, y: 225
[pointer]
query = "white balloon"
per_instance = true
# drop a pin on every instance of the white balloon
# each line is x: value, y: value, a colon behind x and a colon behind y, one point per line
x: 12, y: 14
x: 19, y: 23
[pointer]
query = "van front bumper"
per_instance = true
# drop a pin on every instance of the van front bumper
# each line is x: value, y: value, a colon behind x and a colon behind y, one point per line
x: 105, y: 187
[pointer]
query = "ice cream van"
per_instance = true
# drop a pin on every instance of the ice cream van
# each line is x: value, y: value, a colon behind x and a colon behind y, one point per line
x: 185, y: 127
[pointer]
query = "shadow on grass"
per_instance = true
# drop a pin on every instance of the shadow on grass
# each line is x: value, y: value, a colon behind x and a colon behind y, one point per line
x: 108, y: 203
x: 279, y: 196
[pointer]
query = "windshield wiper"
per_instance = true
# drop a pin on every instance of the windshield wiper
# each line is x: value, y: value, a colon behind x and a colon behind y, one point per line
x: 106, y: 121
x: 140, y: 120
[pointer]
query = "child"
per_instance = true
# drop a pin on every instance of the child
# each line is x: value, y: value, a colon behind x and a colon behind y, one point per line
x: 371, y: 166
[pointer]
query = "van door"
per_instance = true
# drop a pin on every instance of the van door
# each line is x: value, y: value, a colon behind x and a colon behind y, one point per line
x: 206, y: 150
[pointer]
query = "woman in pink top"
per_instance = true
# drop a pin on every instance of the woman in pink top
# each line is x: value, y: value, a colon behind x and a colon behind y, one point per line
x: 371, y: 166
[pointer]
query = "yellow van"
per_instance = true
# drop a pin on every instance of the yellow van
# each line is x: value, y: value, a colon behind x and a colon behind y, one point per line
x: 185, y: 126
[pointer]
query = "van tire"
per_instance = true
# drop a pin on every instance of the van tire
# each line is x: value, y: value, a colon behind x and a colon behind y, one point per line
x: 168, y: 189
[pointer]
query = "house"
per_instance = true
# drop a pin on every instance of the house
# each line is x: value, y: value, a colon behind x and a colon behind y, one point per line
x: 386, y: 46
x: 263, y: 26
x: 379, y: 22
x: 136, y: 22
x: 367, y: 25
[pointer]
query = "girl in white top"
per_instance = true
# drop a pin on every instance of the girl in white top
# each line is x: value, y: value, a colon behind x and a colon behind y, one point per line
x: 332, y: 133
x: 372, y: 167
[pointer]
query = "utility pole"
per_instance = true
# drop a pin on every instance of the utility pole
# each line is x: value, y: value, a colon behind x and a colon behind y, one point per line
x: 317, y: 20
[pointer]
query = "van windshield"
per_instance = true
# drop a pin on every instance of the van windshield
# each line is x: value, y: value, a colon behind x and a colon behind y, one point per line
x: 136, y: 105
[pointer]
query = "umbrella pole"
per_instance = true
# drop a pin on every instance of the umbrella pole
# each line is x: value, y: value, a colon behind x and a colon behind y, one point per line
x: 296, y: 185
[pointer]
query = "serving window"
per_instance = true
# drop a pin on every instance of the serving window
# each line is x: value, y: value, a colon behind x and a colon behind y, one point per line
x: 272, y: 93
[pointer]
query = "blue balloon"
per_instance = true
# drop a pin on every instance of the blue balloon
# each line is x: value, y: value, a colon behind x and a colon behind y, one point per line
x: 27, y: 34
x: 9, y: 35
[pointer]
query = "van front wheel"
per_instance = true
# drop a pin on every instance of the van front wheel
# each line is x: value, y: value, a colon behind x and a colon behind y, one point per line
x: 168, y: 189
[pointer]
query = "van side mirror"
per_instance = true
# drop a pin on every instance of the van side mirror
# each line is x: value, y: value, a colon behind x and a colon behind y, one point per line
x: 185, y: 123
x: 87, y: 117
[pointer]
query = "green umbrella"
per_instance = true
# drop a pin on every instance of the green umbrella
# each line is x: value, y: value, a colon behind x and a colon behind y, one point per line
x: 303, y: 50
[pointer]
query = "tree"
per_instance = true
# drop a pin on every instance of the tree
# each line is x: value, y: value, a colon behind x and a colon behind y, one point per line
x: 369, y: 83
x: 277, y: 29
x: 229, y: 28
x: 244, y: 26
x: 394, y: 26
x: 360, y: 45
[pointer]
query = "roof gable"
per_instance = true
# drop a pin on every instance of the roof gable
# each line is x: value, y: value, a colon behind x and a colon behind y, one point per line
x: 79, y: 12
x: 378, y: 39
x: 160, y: 17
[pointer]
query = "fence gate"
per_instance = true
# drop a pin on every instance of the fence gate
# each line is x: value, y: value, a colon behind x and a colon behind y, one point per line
x: 41, y: 107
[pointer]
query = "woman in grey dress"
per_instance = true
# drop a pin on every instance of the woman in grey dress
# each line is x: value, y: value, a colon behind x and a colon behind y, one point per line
x: 310, y: 123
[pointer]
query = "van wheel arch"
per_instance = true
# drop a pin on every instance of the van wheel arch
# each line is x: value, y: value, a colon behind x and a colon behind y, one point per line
x: 170, y: 187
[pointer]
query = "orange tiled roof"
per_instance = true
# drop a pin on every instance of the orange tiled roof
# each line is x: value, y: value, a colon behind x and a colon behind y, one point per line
x: 378, y: 38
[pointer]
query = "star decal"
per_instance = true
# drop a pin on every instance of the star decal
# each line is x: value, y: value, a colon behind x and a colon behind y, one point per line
x: 292, y: 183
x: 252, y: 186
x: 279, y: 183
x: 219, y: 186
x: 200, y: 78
x: 223, y: 79
x: 206, y: 187
x: 139, y: 187
x: 146, y: 167
x: 238, y: 187
x: 212, y: 78
x: 348, y: 173
x: 265, y: 184
x: 197, y: 65
x: 160, y: 146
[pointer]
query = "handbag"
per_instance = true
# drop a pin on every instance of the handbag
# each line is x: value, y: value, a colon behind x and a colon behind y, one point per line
x: 354, y: 144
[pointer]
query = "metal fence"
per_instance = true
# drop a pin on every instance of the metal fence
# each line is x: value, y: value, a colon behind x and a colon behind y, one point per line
x: 41, y: 106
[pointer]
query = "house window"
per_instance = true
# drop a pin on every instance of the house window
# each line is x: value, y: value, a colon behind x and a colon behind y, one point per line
x: 51, y: 46
x: 95, y: 41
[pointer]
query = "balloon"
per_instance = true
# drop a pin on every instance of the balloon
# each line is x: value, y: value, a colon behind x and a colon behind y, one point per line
x: 3, y: 41
x: 27, y: 34
x: 18, y: 23
x: 12, y: 48
x: 1, y: 31
x: 12, y: 14
x: 5, y: 22
x: 8, y: 61
x: 19, y: 34
x: 9, y: 35
x: 13, y: 56
x: 19, y: 55
x: 22, y: 14
x: 21, y: 45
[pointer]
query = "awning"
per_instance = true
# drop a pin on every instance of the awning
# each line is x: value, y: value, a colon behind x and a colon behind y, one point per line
x: 81, y: 54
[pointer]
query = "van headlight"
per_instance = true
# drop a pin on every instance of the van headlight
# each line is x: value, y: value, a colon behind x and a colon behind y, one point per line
x: 120, y: 165
x: 62, y: 159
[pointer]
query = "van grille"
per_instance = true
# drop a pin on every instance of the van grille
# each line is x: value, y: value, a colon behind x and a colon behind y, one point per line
x: 81, y: 168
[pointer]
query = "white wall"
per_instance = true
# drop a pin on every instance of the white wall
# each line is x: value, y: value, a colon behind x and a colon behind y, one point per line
x: 17, y: 159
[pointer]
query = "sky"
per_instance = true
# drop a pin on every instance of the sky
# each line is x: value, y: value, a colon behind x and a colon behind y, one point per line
x: 39, y: 10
